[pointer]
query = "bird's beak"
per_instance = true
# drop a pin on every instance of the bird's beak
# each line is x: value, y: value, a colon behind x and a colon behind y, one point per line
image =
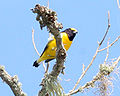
x: 75, y: 32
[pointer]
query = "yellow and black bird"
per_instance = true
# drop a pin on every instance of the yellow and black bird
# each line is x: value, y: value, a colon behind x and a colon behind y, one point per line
x: 49, y: 52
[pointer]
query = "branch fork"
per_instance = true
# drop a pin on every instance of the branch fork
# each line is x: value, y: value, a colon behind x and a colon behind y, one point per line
x: 48, y: 18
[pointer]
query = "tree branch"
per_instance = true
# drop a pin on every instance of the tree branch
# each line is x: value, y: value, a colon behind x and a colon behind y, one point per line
x: 82, y: 75
x: 107, y: 52
x: 48, y: 18
x: 13, y: 82
x: 105, y: 70
x: 110, y: 44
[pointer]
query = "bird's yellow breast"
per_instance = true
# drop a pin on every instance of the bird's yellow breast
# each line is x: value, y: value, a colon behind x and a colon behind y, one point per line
x: 50, y: 51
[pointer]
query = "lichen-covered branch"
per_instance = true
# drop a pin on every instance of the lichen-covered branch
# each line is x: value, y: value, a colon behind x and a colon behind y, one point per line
x: 48, y: 18
x: 104, y: 70
x: 13, y: 82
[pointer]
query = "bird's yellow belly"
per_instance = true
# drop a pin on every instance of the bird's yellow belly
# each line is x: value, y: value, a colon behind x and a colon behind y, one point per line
x: 50, y: 52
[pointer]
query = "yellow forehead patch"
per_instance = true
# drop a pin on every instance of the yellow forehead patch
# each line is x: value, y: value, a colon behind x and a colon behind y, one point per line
x: 73, y: 29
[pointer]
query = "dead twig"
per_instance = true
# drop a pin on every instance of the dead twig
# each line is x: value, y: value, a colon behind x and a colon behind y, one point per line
x: 83, y: 68
x: 118, y: 3
x: 110, y: 44
x: 107, y: 28
x: 105, y: 70
x: 107, y: 52
x: 34, y: 42
x: 82, y: 75
x: 47, y: 67
x: 44, y: 66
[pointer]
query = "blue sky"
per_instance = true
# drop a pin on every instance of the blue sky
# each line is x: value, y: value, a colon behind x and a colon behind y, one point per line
x: 88, y: 17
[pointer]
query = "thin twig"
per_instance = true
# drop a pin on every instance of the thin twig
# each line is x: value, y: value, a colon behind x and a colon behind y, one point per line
x: 83, y: 68
x: 116, y: 62
x: 110, y: 44
x: 107, y: 28
x: 118, y: 3
x: 96, y: 78
x: 47, y: 67
x: 83, y: 74
x: 44, y: 66
x: 107, y: 52
x: 34, y: 42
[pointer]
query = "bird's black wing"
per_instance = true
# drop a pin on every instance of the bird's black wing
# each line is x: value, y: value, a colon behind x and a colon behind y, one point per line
x: 46, y: 61
x: 46, y: 47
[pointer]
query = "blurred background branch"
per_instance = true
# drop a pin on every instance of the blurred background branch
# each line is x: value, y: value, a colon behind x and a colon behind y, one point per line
x: 118, y: 3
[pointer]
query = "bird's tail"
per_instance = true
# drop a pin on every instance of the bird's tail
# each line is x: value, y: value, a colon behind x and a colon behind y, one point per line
x: 37, y: 62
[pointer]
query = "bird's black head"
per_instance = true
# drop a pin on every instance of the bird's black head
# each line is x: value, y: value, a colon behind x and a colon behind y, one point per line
x: 71, y: 33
